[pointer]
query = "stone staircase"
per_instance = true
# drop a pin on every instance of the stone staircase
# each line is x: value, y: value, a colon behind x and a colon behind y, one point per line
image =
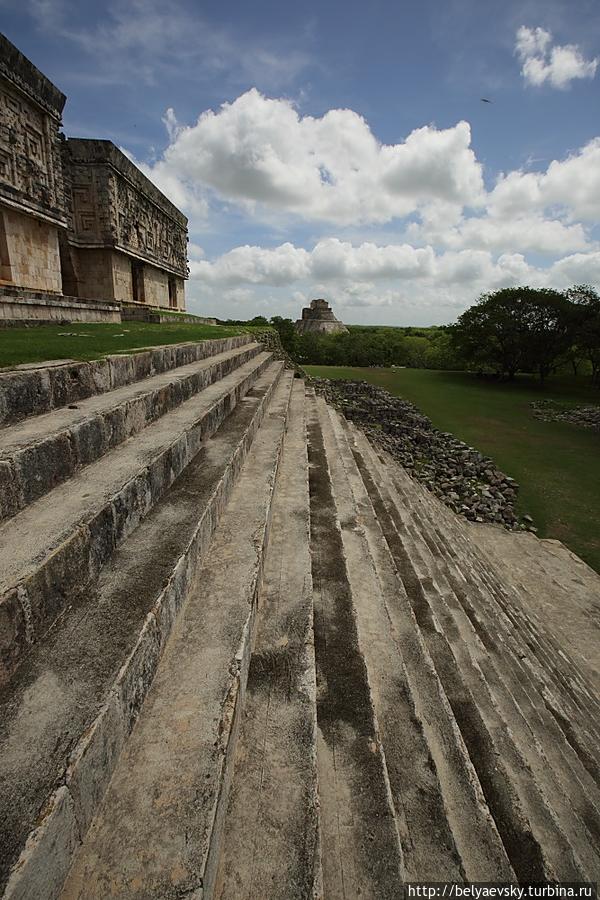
x: 246, y: 656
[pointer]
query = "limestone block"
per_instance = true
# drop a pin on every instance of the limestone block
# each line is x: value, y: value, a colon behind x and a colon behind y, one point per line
x: 25, y: 393
x: 92, y: 762
x: 41, y: 466
x: 138, y: 671
x: 46, y: 859
x: 13, y: 633
x: 64, y: 574
x: 102, y: 530
x: 11, y: 497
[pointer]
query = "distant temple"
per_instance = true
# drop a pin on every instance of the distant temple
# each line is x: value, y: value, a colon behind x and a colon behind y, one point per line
x: 83, y: 232
x: 319, y: 317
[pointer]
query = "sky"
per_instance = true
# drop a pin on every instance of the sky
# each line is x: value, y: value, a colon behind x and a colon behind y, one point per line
x: 344, y: 149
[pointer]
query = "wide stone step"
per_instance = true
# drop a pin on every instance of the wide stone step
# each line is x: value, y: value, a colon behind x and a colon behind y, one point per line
x: 41, y: 452
x: 536, y: 762
x: 554, y: 585
x: 567, y: 784
x: 156, y: 834
x: 537, y: 649
x: 54, y: 549
x: 271, y: 842
x: 36, y: 388
x: 497, y: 613
x: 359, y: 831
x: 450, y: 541
x: 446, y: 828
x: 567, y: 694
x: 71, y: 705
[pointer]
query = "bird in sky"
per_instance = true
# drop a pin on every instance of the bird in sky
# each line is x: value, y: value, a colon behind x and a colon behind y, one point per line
x: 485, y: 100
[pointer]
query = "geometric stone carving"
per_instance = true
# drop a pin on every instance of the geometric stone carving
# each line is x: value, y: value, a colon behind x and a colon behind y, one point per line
x: 30, y: 117
x: 111, y: 204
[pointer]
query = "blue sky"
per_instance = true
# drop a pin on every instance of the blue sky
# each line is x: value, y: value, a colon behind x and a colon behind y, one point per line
x: 342, y: 149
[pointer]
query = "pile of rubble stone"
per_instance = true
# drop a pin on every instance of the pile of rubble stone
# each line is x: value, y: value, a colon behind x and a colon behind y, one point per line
x: 551, y: 411
x: 466, y: 480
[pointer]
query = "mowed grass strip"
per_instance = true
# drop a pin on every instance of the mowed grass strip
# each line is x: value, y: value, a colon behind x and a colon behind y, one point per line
x: 556, y: 464
x: 84, y: 341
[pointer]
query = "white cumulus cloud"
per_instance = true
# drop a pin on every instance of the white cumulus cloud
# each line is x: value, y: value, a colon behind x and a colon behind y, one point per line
x: 572, y: 185
x: 558, y: 65
x: 259, y: 152
x: 371, y: 281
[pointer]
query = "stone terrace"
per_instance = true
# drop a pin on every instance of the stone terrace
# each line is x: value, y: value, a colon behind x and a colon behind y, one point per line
x: 243, y: 654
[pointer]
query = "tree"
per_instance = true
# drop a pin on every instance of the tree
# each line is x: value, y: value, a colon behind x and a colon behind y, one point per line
x: 585, y: 302
x: 515, y: 330
x: 287, y: 333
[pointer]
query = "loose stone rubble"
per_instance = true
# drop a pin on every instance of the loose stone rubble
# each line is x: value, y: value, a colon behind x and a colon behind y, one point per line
x: 466, y: 480
x: 551, y: 411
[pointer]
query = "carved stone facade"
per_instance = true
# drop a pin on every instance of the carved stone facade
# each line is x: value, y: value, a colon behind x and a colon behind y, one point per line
x: 32, y: 210
x: 319, y: 317
x: 125, y: 237
x: 77, y: 217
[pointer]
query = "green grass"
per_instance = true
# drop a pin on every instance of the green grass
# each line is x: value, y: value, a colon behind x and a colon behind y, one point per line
x: 556, y: 464
x: 91, y: 341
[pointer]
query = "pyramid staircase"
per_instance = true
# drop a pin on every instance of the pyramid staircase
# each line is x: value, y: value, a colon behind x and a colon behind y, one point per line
x: 243, y: 655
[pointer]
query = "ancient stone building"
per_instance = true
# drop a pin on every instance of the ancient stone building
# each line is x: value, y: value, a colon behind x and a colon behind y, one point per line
x: 82, y: 230
x: 319, y: 317
x: 127, y: 242
x: 32, y: 213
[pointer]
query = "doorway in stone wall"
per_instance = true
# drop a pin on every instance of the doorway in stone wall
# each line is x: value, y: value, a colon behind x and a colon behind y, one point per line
x: 137, y: 281
x: 5, y: 266
x: 172, y: 292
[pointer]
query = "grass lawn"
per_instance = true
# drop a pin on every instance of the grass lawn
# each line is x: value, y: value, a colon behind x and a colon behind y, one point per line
x: 90, y: 341
x: 556, y: 464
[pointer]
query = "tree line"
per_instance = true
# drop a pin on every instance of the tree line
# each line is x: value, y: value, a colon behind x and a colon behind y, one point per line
x: 506, y: 332
x: 532, y: 330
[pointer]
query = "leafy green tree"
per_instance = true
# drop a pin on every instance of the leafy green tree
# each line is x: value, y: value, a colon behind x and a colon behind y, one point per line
x: 441, y: 353
x: 515, y: 330
x: 287, y: 333
x: 585, y: 302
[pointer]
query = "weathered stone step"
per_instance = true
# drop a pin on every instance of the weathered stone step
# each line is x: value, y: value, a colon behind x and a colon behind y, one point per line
x: 567, y: 695
x: 359, y: 833
x: 73, y: 702
x: 36, y: 388
x: 537, y: 649
x: 41, y: 452
x: 451, y: 544
x: 502, y: 696
x: 537, y: 658
x: 54, y: 549
x: 534, y: 647
x: 513, y: 733
x: 554, y: 585
x: 447, y: 831
x: 271, y: 843
x: 156, y: 834
x: 558, y: 769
